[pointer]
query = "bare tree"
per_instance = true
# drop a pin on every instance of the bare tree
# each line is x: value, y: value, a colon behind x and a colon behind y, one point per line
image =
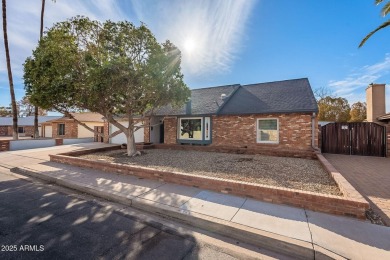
x: 322, y: 92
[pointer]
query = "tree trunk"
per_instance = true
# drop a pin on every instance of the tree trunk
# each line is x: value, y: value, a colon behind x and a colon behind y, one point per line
x: 131, y: 149
x: 36, y: 109
x: 11, y: 82
x: 42, y: 15
x: 36, y: 131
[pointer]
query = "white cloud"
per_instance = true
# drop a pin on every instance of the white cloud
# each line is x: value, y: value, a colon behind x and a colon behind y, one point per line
x: 209, y: 33
x: 353, y: 86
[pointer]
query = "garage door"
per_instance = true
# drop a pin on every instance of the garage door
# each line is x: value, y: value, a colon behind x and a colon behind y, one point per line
x: 121, y: 138
x: 48, y: 131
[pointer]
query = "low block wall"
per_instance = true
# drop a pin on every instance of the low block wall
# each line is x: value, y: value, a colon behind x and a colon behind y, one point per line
x: 77, y: 140
x: 347, y: 205
x: 16, y: 145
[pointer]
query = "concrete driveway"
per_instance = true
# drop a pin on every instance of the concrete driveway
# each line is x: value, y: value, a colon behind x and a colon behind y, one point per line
x: 370, y: 176
x: 34, y: 156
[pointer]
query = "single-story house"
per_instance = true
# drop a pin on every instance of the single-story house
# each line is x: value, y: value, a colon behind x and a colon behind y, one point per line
x: 66, y: 127
x: 25, y: 125
x: 275, y: 115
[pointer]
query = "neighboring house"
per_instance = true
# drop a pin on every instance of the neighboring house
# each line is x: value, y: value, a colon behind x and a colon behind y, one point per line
x: 65, y: 127
x: 281, y: 115
x: 25, y: 125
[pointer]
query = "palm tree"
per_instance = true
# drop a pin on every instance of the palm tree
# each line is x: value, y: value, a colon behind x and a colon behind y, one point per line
x: 36, y: 109
x: 11, y: 82
x: 385, y: 11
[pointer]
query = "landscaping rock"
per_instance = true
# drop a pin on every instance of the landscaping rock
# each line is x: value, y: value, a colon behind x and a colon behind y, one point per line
x: 293, y: 173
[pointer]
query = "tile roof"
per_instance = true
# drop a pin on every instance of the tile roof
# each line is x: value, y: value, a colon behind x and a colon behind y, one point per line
x: 286, y: 96
x: 26, y: 121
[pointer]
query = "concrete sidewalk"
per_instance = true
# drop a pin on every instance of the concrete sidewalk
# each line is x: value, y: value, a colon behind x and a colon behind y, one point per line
x: 345, y: 237
x: 281, y: 228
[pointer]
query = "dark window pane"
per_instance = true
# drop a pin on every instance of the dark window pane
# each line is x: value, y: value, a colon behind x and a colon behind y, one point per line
x: 191, y: 129
x: 269, y: 124
x: 61, y: 129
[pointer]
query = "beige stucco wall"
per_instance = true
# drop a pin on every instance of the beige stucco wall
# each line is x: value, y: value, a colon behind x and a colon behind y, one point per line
x: 84, y: 132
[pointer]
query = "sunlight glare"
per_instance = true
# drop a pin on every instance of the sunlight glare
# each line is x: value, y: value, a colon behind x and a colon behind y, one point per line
x: 189, y: 45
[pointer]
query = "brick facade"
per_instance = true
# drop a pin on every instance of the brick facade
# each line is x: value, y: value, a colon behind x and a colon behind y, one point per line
x: 5, y: 131
x: 146, y: 122
x: 170, y: 130
x: 106, y: 130
x: 295, y: 131
x: 29, y: 130
x: 71, y: 129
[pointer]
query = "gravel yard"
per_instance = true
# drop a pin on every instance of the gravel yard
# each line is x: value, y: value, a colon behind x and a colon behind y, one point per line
x: 293, y: 173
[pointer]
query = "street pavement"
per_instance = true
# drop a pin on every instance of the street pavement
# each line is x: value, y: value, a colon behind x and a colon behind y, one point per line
x: 341, y: 236
x: 39, y: 222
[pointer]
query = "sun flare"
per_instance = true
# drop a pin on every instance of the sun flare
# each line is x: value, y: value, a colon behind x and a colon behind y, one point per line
x: 190, y: 45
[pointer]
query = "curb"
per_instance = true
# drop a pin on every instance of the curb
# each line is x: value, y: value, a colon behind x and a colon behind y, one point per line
x: 263, y: 239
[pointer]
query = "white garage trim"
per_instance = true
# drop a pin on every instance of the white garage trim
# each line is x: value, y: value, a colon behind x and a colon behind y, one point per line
x: 121, y: 138
x: 48, y: 131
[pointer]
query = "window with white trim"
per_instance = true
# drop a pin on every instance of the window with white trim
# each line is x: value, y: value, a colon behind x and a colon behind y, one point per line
x: 268, y: 130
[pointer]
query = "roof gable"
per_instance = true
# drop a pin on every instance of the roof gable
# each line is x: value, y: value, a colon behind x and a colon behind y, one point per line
x: 272, y: 97
x: 204, y: 101
x: 286, y: 96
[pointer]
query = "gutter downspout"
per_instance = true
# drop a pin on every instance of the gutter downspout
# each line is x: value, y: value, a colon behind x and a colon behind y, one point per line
x: 313, y: 120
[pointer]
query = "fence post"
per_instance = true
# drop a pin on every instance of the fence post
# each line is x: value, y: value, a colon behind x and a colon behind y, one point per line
x: 59, y: 141
x: 4, y: 145
x: 387, y: 139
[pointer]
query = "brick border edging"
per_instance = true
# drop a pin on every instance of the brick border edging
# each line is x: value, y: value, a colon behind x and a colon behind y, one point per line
x: 306, y: 154
x: 347, y: 206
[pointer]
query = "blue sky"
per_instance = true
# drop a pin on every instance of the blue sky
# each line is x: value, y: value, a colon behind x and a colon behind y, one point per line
x: 234, y: 41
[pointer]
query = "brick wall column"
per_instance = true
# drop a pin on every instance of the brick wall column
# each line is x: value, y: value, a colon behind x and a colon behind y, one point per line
x: 147, y: 130
x: 170, y: 130
x: 59, y: 141
x: 106, y: 132
x: 4, y: 145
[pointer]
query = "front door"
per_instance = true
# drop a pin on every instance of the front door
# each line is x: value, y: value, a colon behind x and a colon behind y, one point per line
x: 162, y: 133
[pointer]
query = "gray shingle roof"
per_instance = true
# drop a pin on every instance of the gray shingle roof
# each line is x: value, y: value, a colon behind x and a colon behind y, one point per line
x: 272, y: 97
x: 204, y: 101
x: 286, y: 96
x: 26, y: 121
